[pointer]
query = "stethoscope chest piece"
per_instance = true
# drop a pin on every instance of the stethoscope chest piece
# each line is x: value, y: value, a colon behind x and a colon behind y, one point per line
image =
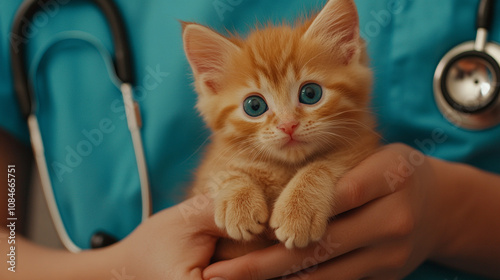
x: 466, y: 86
x: 466, y: 81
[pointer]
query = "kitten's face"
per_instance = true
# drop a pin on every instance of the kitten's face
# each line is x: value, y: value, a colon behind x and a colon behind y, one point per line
x: 283, y: 93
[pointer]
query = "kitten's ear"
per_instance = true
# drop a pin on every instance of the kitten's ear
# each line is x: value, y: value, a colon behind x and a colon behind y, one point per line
x: 337, y: 26
x: 207, y: 52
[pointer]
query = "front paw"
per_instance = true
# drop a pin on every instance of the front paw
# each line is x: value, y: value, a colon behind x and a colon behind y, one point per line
x: 243, y: 212
x: 298, y: 223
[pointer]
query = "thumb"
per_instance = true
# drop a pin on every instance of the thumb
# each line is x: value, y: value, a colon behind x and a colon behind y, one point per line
x: 198, y: 212
x: 370, y: 179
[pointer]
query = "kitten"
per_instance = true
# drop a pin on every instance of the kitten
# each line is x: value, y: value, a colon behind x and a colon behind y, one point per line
x: 288, y: 108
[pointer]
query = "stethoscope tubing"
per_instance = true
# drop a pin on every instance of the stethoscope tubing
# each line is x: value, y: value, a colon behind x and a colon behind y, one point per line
x: 26, y: 98
x: 485, y: 14
x: 23, y: 17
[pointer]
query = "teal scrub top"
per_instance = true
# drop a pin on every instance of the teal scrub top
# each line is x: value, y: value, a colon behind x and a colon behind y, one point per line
x: 87, y: 144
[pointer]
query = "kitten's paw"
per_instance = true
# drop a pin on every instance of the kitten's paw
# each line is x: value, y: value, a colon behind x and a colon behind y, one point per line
x: 242, y: 213
x: 296, y: 224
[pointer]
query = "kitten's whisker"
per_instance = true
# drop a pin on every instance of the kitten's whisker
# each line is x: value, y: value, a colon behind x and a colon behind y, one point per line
x: 332, y: 120
x: 254, y: 153
x: 361, y: 125
x: 235, y: 147
x: 327, y: 144
x: 344, y: 126
x: 340, y: 137
x: 197, y: 150
x: 329, y: 117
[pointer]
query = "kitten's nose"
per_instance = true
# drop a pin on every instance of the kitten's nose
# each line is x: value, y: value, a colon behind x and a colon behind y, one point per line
x: 288, y: 127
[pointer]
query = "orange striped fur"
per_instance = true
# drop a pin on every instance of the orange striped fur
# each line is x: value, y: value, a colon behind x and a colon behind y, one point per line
x: 257, y: 178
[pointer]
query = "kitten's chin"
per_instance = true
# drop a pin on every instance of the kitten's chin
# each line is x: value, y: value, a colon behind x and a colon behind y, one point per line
x: 294, y: 152
x: 291, y: 151
x: 290, y: 144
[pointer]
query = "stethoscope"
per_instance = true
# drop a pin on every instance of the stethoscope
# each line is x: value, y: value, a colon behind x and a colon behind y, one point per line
x: 465, y: 88
x: 466, y: 81
x: 26, y: 98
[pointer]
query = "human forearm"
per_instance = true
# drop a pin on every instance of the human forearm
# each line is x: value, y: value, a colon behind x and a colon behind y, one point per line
x: 36, y: 262
x: 30, y: 261
x: 470, y: 237
x: 15, y: 171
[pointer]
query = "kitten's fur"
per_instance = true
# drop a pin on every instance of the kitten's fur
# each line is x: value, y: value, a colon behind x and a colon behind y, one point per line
x: 254, y: 173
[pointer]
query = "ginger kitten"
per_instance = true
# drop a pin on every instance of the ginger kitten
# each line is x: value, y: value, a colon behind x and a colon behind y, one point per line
x: 288, y: 110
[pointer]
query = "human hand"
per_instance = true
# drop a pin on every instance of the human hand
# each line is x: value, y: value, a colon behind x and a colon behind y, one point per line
x: 176, y: 243
x: 389, y: 223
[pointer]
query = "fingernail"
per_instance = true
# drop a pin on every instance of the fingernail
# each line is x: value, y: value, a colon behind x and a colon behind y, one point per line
x: 217, y: 278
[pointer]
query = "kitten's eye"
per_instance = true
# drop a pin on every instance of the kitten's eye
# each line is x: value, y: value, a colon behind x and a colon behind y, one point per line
x: 254, y: 106
x: 310, y: 94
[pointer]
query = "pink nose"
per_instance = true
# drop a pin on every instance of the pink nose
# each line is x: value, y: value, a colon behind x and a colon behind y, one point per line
x: 288, y: 127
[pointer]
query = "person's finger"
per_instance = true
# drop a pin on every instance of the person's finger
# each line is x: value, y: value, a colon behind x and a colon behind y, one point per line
x: 349, y: 232
x: 360, y: 264
x: 198, y: 213
x: 375, y: 177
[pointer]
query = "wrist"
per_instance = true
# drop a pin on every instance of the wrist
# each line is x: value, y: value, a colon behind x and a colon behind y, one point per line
x: 97, y: 264
x: 36, y: 262
x: 467, y: 210
x: 449, y: 185
x: 90, y: 264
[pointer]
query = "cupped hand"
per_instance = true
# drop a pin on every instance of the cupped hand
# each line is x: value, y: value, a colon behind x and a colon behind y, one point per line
x: 176, y: 243
x: 388, y: 223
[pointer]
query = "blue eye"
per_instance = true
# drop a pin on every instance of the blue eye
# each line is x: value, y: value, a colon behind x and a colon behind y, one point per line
x: 254, y: 106
x: 310, y: 94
